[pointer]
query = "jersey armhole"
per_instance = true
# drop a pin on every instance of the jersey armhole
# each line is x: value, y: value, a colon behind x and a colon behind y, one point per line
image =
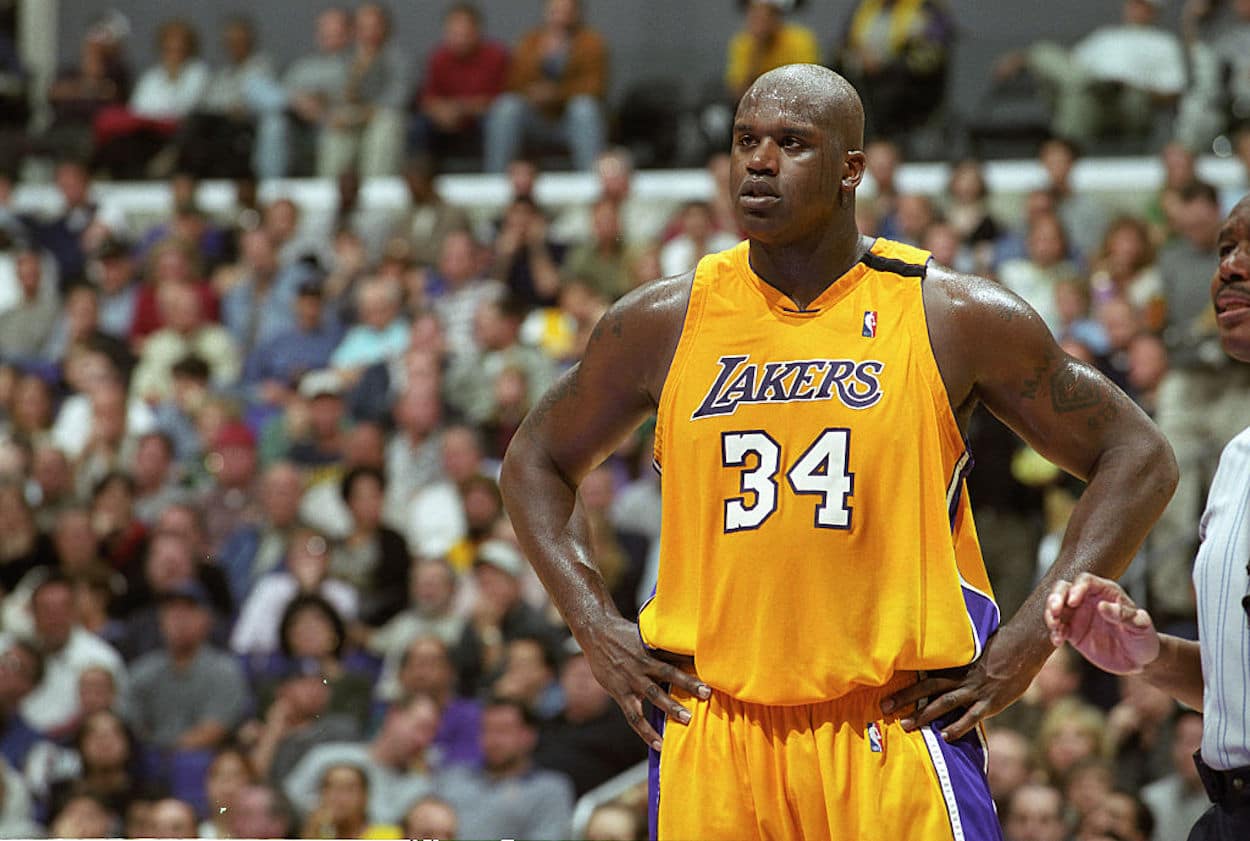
x: 676, y: 368
x: 937, y: 384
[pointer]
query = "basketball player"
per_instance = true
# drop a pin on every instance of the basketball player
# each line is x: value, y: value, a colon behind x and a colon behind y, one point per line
x: 819, y: 569
x: 1212, y: 675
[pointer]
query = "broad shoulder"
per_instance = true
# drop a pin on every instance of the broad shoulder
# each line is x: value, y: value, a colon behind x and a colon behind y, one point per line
x: 977, y: 329
x: 642, y: 329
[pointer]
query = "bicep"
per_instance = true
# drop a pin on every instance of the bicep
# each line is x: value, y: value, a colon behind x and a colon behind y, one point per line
x: 1064, y: 408
x: 592, y: 407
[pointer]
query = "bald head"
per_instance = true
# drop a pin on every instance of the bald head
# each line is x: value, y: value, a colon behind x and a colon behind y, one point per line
x: 814, y: 92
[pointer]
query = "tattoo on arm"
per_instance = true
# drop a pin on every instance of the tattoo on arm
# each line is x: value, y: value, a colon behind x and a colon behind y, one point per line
x: 1070, y: 392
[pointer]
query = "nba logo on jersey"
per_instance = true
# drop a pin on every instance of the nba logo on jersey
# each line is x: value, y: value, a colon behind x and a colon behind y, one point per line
x: 870, y: 324
x: 875, y: 743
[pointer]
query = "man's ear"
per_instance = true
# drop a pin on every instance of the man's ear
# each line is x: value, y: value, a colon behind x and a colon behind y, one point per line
x: 853, y: 168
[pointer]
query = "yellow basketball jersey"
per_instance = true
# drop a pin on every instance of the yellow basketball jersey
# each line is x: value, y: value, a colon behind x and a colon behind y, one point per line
x: 816, y: 533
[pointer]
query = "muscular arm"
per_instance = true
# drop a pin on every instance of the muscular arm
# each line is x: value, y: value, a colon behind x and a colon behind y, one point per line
x: 993, y: 349
x: 576, y: 425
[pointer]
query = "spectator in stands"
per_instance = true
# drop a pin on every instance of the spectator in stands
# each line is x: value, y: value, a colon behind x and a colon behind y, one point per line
x: 316, y: 442
x: 258, y: 306
x: 126, y: 138
x: 176, y: 415
x: 429, y: 613
x: 363, y: 124
x: 101, y: 78
x: 275, y: 366
x: 436, y: 522
x: 590, y: 740
x: 26, y: 326
x: 297, y: 721
x: 528, y: 674
x: 261, y: 811
x: 897, y: 54
x: 698, y: 237
x: 168, y: 262
x: 24, y: 546
x: 21, y: 670
x: 1036, y: 277
x: 497, y: 333
x: 500, y: 614
x: 1147, y: 368
x: 101, y: 761
x: 68, y: 650
x: 396, y: 763
x: 52, y: 486
x: 77, y: 330
x: 1084, y: 218
x: 380, y: 335
x: 373, y: 558
x: 112, y: 269
x: 1125, y: 268
x: 459, y: 290
x: 229, y: 773
x: 1035, y: 813
x: 603, y: 261
x: 429, y: 219
x: 313, y: 81
x: 414, y: 453
x: 1113, y: 80
x: 426, y: 668
x: 1071, y: 731
x: 556, y: 86
x: 156, y: 476
x: 217, y: 138
x: 186, y: 332
x: 431, y: 817
x: 304, y: 570
x: 230, y: 501
x: 1178, y: 800
x: 189, y: 695
x: 1139, y: 733
x: 1217, y: 89
x: 527, y: 261
x: 342, y: 811
x: 68, y: 235
x: 463, y: 75
x: 508, y: 795
x: 173, y: 818
x: 1010, y: 764
x: 85, y: 816
x: 766, y: 42
x: 1201, y: 402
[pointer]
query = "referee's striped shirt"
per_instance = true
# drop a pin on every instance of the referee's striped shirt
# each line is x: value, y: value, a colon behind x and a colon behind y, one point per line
x: 1220, y: 579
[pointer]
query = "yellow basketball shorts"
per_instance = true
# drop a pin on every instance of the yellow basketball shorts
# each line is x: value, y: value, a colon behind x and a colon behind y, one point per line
x: 835, y: 770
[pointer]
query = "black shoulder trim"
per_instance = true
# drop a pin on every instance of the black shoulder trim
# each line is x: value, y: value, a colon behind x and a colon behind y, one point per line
x: 898, y: 267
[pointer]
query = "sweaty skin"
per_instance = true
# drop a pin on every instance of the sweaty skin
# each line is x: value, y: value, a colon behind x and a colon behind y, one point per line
x: 796, y: 163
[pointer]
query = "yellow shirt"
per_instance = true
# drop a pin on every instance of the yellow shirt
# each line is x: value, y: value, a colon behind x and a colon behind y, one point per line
x: 794, y: 44
x: 816, y: 531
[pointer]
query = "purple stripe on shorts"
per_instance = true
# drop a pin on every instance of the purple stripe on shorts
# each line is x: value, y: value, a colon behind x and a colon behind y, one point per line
x: 965, y: 766
x: 983, y: 612
x: 657, y: 718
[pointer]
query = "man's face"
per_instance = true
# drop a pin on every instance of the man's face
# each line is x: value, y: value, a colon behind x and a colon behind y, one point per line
x: 460, y: 33
x: 506, y: 738
x: 53, y: 611
x: 333, y: 30
x: 1036, y: 814
x: 1230, y: 287
x: 786, y: 168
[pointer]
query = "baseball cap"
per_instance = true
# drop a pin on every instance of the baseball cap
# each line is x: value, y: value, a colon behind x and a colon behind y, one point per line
x: 501, y: 555
x: 320, y: 383
x: 234, y: 434
x: 187, y: 591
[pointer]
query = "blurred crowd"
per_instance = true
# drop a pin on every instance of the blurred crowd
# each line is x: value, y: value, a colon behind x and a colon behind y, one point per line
x: 256, y: 579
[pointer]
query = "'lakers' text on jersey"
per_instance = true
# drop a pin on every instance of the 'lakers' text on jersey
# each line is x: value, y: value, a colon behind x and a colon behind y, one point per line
x: 817, y: 536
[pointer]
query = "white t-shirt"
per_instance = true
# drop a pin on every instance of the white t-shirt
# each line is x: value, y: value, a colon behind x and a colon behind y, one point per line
x: 1140, y: 56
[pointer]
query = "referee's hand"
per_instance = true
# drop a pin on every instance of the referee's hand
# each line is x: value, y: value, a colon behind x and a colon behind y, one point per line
x: 1099, y: 620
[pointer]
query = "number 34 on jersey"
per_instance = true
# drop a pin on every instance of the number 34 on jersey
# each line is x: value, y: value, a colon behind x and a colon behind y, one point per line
x: 821, y: 471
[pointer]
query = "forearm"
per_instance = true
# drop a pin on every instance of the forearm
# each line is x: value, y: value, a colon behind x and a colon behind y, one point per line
x: 554, y: 533
x: 1177, y: 670
x: 1128, y: 489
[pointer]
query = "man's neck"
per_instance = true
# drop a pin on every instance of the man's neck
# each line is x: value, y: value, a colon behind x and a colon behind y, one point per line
x: 515, y: 768
x: 803, y: 270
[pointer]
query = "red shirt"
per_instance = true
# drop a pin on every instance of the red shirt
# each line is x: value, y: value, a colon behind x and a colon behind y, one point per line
x: 483, y: 72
